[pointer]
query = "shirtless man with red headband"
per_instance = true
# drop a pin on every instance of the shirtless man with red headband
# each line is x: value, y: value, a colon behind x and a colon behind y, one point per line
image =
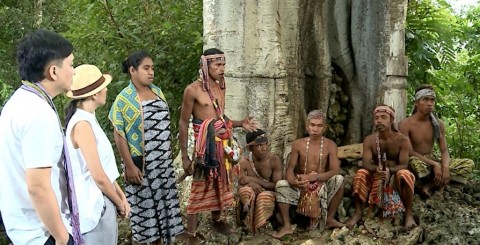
x: 388, y: 143
x: 204, y: 99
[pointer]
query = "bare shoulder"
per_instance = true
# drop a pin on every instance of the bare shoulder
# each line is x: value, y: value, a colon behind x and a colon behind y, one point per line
x: 274, y: 159
x: 243, y: 161
x: 401, y: 137
x: 369, y: 140
x: 405, y: 123
x: 330, y: 143
x: 193, y: 87
x: 441, y: 123
x: 296, y: 144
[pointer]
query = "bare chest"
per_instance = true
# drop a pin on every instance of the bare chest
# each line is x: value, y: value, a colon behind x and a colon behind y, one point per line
x: 421, y: 133
x: 313, y: 158
x: 262, y: 169
x: 391, y: 148
x: 204, y: 106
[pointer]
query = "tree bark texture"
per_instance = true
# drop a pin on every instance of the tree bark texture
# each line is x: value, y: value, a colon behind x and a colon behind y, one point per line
x: 38, y: 7
x: 288, y: 57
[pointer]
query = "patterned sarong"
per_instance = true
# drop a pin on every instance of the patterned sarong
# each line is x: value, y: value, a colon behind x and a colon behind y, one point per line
x: 211, y: 191
x: 365, y: 182
x: 460, y: 169
x: 284, y: 193
x: 261, y: 207
x: 155, y: 205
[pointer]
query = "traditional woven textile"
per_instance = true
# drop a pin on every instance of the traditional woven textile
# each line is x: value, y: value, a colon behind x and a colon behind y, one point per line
x: 261, y: 207
x: 211, y: 189
x: 155, y: 205
x: 460, y: 169
x: 365, y: 184
x: 126, y: 117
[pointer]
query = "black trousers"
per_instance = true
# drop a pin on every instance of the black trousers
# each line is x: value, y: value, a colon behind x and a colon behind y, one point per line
x: 51, y: 241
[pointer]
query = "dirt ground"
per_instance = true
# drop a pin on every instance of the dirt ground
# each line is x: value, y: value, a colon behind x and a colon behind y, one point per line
x: 452, y: 219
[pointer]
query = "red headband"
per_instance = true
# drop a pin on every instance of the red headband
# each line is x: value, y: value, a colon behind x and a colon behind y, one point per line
x: 204, y: 59
x: 386, y: 109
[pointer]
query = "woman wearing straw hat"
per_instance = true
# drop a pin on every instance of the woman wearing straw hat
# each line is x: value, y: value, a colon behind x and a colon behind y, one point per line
x: 93, y: 162
x: 141, y: 118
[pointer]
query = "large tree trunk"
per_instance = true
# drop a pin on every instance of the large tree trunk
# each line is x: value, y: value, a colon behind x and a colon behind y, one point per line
x: 285, y: 58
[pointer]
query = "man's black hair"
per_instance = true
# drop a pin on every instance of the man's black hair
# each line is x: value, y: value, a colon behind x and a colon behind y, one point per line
x: 37, y: 50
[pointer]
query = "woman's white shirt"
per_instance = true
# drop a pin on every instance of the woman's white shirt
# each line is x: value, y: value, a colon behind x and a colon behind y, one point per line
x: 89, y: 196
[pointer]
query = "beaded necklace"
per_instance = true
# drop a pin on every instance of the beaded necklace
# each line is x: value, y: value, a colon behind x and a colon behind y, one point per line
x: 382, y: 166
x: 306, y: 154
x: 309, y: 199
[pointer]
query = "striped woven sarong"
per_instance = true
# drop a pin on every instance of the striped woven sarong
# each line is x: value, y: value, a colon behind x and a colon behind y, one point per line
x: 211, y: 192
x: 460, y: 169
x: 365, y: 182
x: 261, y: 207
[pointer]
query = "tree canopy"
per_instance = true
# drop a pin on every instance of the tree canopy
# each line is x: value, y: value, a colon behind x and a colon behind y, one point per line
x: 442, y: 47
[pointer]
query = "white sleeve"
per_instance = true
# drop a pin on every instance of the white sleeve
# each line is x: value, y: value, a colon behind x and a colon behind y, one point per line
x: 41, y: 139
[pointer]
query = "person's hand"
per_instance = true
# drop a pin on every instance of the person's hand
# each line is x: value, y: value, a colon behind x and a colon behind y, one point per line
x: 187, y: 166
x: 249, y: 124
x: 446, y: 175
x: 313, y: 176
x: 133, y: 175
x: 124, y: 211
x: 120, y: 209
x: 300, y: 182
x: 383, y: 174
x: 245, y: 180
x: 256, y: 187
x: 438, y: 174
x: 62, y: 240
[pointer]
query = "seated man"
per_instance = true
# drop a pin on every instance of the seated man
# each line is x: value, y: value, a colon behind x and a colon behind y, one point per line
x: 394, y: 148
x: 258, y: 175
x: 424, y: 129
x: 313, y: 183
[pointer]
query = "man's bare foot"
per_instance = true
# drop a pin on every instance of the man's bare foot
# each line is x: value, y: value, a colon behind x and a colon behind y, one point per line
x: 189, y: 238
x: 334, y: 224
x: 410, y: 222
x: 353, y: 220
x: 222, y: 227
x: 285, y: 230
x: 424, y: 192
x: 439, y: 195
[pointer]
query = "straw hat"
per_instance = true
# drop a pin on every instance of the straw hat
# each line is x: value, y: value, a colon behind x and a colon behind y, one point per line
x: 87, y: 81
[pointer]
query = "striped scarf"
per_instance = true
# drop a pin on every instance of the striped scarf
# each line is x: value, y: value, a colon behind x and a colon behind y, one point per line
x: 72, y: 200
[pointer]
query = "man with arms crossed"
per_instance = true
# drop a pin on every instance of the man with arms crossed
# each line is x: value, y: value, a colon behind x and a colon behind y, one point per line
x: 33, y: 190
x: 259, y: 172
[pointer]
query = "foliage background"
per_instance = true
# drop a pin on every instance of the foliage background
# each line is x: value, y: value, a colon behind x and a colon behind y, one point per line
x: 443, y: 50
x: 103, y: 33
x: 442, y: 46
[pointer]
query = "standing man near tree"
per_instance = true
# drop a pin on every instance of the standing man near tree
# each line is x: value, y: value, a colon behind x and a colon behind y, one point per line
x: 33, y: 193
x: 204, y: 99
x: 423, y: 129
